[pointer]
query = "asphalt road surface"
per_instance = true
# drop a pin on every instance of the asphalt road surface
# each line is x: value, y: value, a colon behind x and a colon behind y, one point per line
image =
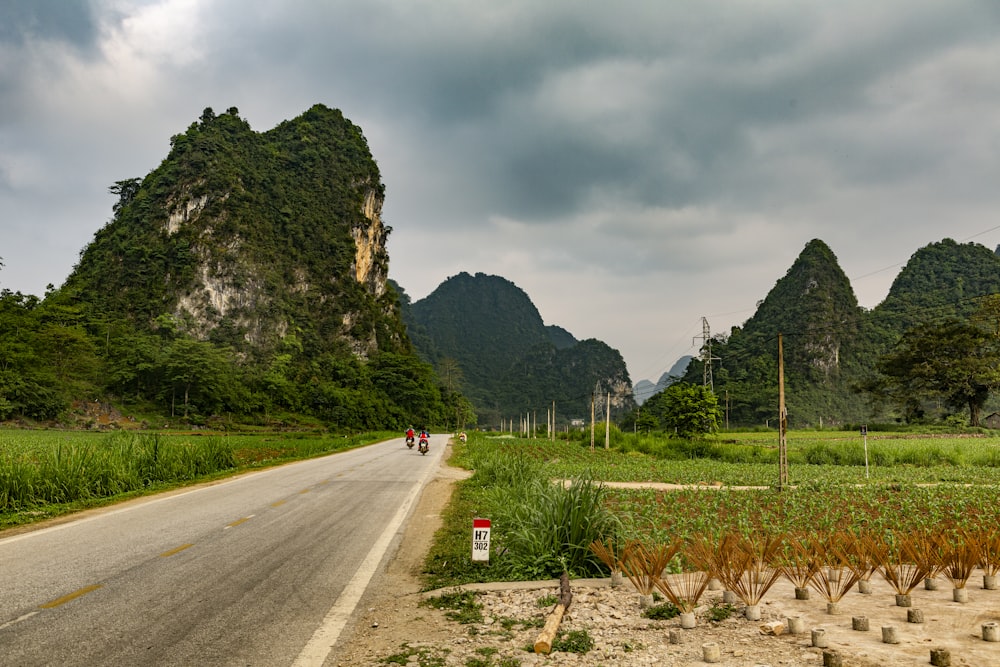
x: 263, y: 569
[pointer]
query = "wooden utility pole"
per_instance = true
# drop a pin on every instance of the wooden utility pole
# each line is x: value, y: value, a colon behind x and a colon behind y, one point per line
x: 607, y: 425
x: 782, y: 421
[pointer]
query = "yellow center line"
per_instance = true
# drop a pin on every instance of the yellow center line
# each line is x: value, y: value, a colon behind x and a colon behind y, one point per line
x: 304, y: 491
x: 179, y: 549
x: 278, y: 503
x: 239, y: 521
x: 67, y: 598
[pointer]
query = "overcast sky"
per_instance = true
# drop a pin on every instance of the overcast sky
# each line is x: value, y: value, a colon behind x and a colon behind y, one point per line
x: 632, y: 166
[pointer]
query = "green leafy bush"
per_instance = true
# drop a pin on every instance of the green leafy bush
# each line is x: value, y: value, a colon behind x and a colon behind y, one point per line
x: 574, y: 641
x: 662, y: 612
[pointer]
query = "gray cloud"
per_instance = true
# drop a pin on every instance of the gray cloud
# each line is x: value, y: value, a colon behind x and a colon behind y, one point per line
x: 70, y: 21
x: 668, y: 160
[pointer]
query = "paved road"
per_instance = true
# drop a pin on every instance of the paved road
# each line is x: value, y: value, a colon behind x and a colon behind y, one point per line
x: 263, y: 569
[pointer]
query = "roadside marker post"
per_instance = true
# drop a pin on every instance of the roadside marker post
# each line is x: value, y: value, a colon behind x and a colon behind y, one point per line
x: 481, y: 540
x: 864, y: 435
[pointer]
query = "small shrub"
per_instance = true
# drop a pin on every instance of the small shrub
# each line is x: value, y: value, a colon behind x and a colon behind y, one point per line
x: 662, y: 612
x: 553, y: 526
x: 574, y: 641
x: 720, y: 611
x: 424, y: 657
x: 462, y: 606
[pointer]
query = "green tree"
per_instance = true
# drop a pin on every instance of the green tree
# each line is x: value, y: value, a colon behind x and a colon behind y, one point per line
x: 955, y: 361
x: 645, y: 422
x: 690, y: 410
x: 199, y: 371
x: 450, y: 373
x: 126, y: 191
x: 409, y: 384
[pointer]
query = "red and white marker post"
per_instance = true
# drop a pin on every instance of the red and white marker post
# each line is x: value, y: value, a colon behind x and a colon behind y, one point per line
x: 481, y: 540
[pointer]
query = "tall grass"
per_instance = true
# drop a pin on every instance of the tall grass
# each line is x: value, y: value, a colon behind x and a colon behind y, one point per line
x: 119, y: 463
x: 551, y: 530
x: 541, y: 528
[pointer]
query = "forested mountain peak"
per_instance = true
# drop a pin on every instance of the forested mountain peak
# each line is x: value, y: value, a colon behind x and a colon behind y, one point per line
x: 831, y: 347
x: 245, y: 275
x: 814, y: 308
x: 814, y: 303
x: 510, y: 361
x: 243, y: 237
x: 939, y: 280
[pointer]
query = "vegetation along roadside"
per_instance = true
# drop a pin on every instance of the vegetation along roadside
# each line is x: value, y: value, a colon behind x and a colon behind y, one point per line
x: 44, y: 474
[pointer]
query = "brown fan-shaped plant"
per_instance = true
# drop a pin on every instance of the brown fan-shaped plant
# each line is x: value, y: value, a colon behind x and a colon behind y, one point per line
x: 859, y: 556
x: 932, y: 554
x: 835, y: 577
x: 959, y: 557
x: 743, y: 564
x: 988, y: 540
x: 643, y: 565
x: 609, y: 553
x: 797, y: 560
x: 685, y: 588
x: 900, y: 560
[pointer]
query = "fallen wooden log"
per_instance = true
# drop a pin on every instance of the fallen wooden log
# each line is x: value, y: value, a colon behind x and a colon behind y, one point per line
x: 548, y: 634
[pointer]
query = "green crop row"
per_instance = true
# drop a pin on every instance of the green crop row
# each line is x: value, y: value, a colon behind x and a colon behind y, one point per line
x: 666, y: 515
x: 815, y: 458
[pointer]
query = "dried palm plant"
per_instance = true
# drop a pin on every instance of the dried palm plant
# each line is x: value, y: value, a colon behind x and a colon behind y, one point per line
x: 859, y: 556
x: 797, y: 560
x: 931, y: 554
x: 900, y: 560
x: 836, y: 576
x: 609, y: 553
x: 684, y: 589
x: 644, y: 565
x: 988, y: 541
x: 742, y: 564
x: 960, y: 556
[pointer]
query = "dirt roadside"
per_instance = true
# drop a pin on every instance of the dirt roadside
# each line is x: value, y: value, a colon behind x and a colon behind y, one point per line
x: 391, y: 618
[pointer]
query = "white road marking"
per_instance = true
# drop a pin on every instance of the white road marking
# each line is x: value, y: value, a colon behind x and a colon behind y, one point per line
x: 316, y: 650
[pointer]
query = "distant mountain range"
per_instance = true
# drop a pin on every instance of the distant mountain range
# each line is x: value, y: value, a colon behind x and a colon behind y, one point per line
x: 830, y: 344
x: 510, y: 363
x: 644, y: 389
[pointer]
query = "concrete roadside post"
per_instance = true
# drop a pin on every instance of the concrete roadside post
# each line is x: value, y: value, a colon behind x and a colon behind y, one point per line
x: 480, y: 540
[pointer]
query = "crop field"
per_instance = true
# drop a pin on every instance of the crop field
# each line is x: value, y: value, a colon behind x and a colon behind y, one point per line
x: 815, y: 459
x: 692, y: 490
x: 47, y: 473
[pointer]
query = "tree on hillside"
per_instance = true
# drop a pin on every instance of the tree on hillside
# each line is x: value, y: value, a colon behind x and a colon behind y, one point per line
x: 954, y: 361
x: 200, y: 372
x: 126, y: 191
